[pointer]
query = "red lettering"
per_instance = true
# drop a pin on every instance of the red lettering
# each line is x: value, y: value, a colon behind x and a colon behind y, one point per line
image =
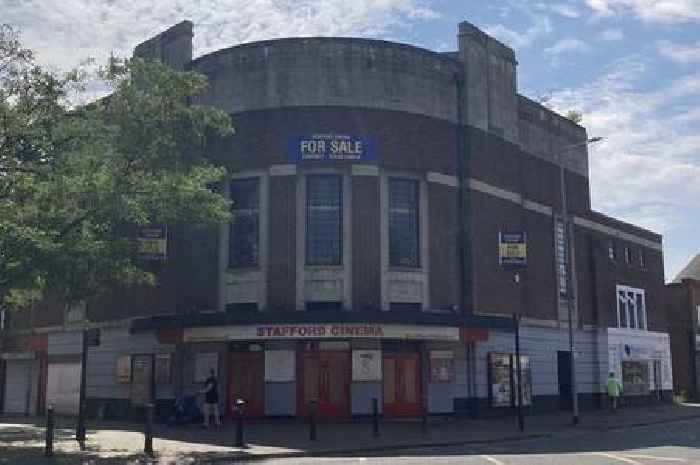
x: 322, y: 331
x: 276, y: 332
x: 260, y: 331
x: 335, y: 330
x: 303, y: 331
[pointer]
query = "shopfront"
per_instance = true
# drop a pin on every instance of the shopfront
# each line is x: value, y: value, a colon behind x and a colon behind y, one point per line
x: 280, y: 370
x: 641, y: 360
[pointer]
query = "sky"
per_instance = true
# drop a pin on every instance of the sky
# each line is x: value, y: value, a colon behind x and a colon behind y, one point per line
x: 631, y: 67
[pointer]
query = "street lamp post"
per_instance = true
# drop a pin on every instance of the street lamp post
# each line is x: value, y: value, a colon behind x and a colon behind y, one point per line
x: 569, y: 253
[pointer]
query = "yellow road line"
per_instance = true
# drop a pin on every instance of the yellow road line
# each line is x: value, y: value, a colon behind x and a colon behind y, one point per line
x: 492, y: 460
x: 617, y: 457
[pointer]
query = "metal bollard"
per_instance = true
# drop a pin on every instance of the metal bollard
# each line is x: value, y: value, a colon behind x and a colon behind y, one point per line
x: 375, y: 417
x: 148, y: 433
x: 48, y: 451
x: 240, y: 414
x: 424, y: 422
x: 313, y: 410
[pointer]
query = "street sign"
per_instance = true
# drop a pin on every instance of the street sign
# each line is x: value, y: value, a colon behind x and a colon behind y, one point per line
x: 512, y: 249
x: 153, y: 242
x: 92, y: 337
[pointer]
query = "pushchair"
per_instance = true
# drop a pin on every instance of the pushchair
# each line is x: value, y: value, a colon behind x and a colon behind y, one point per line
x: 186, y: 410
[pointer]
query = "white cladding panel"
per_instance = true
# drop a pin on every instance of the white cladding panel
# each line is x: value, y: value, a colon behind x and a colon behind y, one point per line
x: 63, y: 387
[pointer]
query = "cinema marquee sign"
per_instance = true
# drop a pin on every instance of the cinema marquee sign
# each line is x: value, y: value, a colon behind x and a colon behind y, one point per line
x: 321, y: 331
x: 330, y: 147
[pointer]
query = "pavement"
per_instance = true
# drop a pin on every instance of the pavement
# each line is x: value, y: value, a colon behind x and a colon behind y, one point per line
x: 22, y: 439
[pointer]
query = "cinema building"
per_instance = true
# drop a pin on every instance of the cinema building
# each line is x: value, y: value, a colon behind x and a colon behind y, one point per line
x: 394, y: 208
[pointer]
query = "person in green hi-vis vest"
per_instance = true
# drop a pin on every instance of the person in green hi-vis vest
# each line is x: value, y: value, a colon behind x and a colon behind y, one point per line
x: 614, y: 391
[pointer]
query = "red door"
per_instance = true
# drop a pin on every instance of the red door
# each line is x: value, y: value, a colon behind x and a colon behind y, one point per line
x: 247, y: 381
x: 325, y: 378
x: 402, y: 385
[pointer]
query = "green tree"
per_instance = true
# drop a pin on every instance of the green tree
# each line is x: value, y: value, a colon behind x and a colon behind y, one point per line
x: 76, y: 182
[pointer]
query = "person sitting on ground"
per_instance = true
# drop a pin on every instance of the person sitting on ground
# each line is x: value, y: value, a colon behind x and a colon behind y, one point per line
x: 614, y: 391
x: 211, y: 400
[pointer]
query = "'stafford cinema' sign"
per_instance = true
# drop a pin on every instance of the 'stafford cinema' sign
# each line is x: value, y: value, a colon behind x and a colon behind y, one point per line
x: 321, y: 330
x: 326, y: 147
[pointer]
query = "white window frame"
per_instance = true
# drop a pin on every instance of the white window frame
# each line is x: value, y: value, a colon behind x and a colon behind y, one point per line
x: 611, y: 250
x: 633, y: 315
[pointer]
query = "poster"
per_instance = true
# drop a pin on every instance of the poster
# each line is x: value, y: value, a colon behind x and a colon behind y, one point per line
x: 153, y: 242
x: 163, y: 368
x: 141, y: 379
x: 442, y: 366
x: 366, y: 365
x: 203, y: 364
x: 526, y: 384
x: 124, y: 369
x: 280, y: 365
x: 500, y: 380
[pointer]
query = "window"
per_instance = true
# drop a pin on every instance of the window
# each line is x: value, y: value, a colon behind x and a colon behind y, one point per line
x: 642, y: 261
x: 404, y: 248
x: 628, y: 255
x: 631, y: 308
x: 3, y: 319
x: 244, y: 241
x: 635, y: 377
x: 324, y: 220
x: 611, y: 250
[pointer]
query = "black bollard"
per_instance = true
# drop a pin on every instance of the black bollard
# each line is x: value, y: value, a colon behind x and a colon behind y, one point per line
x: 313, y: 407
x: 148, y: 433
x: 424, y: 422
x: 48, y: 451
x: 375, y: 417
x: 240, y: 414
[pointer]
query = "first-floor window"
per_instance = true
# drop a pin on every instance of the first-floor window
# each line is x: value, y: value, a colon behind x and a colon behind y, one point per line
x: 404, y: 229
x: 631, y: 308
x: 244, y: 242
x: 324, y: 220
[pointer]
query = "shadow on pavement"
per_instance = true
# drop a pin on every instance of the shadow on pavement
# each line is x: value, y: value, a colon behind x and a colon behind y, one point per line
x: 117, y: 443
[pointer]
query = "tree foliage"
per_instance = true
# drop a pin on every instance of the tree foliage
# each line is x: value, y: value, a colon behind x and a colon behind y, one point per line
x: 76, y: 182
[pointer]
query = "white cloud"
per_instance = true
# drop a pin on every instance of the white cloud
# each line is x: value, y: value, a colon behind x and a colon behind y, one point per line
x: 647, y: 170
x: 656, y: 11
x: 539, y: 25
x: 78, y: 28
x: 566, y: 10
x: 568, y: 45
x: 610, y: 35
x: 680, y: 53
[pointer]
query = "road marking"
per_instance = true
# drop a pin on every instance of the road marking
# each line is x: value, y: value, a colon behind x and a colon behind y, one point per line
x: 492, y: 460
x: 362, y: 459
x: 617, y: 457
x: 653, y: 457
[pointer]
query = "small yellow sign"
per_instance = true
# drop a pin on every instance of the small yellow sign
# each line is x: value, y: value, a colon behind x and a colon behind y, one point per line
x: 512, y: 249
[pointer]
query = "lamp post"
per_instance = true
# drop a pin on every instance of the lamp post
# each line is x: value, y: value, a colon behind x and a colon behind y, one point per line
x: 568, y: 254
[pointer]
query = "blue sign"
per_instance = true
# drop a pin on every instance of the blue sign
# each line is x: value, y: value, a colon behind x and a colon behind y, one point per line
x: 330, y: 147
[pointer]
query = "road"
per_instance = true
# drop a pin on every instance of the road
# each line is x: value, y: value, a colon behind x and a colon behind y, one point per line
x: 663, y: 444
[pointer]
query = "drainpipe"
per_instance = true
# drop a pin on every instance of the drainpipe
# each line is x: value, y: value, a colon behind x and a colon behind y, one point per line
x: 463, y: 164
